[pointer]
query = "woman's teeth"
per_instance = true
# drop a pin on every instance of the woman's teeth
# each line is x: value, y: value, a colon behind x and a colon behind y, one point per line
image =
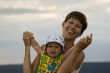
x: 71, y: 32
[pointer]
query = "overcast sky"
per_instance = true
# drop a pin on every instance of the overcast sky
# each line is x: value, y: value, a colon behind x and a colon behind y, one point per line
x: 43, y: 17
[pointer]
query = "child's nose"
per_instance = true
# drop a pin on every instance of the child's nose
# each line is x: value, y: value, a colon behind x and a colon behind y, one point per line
x: 53, y: 48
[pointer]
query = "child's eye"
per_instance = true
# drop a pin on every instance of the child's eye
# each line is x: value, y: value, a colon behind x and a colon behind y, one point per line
x: 50, y: 46
x: 57, y: 47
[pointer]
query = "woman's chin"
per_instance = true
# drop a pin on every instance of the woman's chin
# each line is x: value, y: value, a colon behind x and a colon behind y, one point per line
x: 68, y: 37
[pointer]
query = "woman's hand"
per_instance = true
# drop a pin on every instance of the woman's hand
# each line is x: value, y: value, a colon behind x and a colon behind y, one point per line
x: 26, y: 38
x: 84, y: 42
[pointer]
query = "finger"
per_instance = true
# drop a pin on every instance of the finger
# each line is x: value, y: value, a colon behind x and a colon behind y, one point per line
x: 30, y: 34
x: 87, y: 37
x: 25, y: 33
x: 83, y: 40
x: 91, y: 35
x: 89, y: 41
x: 31, y: 37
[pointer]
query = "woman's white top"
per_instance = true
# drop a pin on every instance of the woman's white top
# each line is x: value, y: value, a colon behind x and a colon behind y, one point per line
x: 77, y: 70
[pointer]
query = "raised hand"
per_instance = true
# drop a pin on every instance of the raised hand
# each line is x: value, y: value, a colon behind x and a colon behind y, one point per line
x: 84, y: 42
x: 26, y: 38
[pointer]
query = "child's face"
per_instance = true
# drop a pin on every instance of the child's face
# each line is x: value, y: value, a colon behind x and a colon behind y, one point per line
x: 53, y: 49
x: 72, y: 29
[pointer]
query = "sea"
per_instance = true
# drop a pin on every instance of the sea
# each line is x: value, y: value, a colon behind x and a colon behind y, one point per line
x: 99, y: 67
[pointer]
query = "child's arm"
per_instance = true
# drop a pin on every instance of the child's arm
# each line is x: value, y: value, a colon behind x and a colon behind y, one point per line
x: 35, y: 63
x: 36, y: 45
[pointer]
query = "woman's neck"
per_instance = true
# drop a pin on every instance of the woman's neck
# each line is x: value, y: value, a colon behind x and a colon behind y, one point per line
x: 68, y: 44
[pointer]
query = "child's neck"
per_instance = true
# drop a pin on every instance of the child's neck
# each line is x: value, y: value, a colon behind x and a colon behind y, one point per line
x: 52, y: 57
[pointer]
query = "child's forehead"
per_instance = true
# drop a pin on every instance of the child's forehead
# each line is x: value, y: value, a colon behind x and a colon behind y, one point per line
x: 53, y: 43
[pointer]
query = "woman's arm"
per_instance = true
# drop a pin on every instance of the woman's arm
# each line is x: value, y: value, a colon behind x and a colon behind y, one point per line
x: 73, y: 57
x: 69, y: 63
x: 81, y: 45
x: 27, y: 62
x: 79, y: 60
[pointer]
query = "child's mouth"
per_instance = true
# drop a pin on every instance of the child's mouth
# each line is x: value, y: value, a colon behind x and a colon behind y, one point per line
x: 52, y: 52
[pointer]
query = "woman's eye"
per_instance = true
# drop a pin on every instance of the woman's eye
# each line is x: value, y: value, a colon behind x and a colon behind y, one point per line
x: 70, y: 22
x: 78, y: 26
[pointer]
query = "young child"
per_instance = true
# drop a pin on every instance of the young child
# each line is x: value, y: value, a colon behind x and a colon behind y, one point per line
x: 52, y: 56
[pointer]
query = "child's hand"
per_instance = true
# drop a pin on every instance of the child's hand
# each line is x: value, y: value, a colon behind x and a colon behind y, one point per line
x: 84, y: 42
x: 33, y: 42
x: 35, y: 45
x: 26, y: 38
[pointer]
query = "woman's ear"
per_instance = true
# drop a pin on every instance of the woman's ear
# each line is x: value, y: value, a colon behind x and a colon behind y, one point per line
x: 63, y: 23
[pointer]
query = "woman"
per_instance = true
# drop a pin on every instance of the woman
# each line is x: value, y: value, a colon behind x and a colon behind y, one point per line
x: 73, y: 27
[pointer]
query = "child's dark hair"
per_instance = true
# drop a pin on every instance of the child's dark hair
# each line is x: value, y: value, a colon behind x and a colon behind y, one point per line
x: 80, y: 17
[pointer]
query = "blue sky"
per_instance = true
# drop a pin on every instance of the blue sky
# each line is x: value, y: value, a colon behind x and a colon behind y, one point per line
x: 43, y: 17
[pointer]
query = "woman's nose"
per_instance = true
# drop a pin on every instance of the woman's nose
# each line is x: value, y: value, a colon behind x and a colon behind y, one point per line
x: 73, y: 27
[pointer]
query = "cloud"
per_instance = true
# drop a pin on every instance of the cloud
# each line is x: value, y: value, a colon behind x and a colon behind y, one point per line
x: 19, y: 7
x: 108, y: 9
x: 22, y: 11
x: 16, y: 11
x: 18, y: 4
x: 40, y: 9
x: 44, y: 6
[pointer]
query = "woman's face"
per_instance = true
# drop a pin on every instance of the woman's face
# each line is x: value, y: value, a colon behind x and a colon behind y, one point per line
x: 72, y: 29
